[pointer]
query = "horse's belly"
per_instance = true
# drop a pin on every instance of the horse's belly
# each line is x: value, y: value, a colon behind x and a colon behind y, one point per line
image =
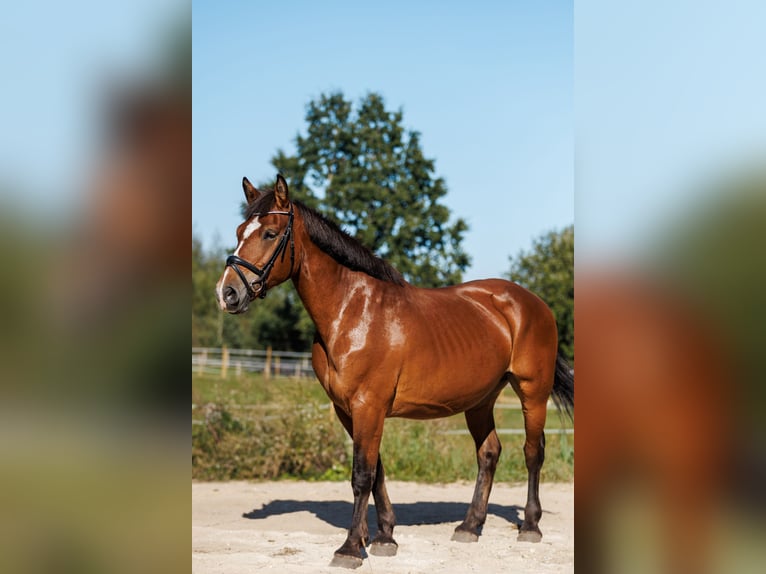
x: 446, y: 393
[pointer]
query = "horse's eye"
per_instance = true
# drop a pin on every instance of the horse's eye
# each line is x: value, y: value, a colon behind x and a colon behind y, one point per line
x: 269, y: 234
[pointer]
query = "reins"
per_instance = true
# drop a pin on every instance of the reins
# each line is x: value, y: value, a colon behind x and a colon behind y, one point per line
x: 235, y: 262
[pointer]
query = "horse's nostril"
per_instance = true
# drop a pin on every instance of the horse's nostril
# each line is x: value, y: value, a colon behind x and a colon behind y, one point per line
x: 230, y: 296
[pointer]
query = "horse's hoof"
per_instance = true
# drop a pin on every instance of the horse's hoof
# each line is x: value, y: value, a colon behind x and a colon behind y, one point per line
x: 384, y: 548
x: 465, y: 536
x: 530, y: 536
x: 346, y: 561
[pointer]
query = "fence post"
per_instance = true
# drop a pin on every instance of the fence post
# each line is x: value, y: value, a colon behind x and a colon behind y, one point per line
x: 277, y: 365
x: 224, y: 362
x: 267, y: 366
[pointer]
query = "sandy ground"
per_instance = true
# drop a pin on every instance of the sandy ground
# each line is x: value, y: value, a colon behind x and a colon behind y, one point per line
x: 294, y: 527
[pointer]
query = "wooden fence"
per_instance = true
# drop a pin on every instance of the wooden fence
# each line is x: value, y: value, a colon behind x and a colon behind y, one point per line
x: 224, y: 362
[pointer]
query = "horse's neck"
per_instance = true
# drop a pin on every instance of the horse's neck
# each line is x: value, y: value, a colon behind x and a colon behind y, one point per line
x: 323, y: 284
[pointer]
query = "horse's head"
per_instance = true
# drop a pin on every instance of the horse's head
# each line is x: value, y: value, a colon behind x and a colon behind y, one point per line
x: 265, y: 254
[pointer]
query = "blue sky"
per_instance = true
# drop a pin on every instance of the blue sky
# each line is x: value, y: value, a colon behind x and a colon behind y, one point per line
x: 489, y: 87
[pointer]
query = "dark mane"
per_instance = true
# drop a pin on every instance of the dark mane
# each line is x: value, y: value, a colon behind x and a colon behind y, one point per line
x: 344, y: 248
x: 330, y: 238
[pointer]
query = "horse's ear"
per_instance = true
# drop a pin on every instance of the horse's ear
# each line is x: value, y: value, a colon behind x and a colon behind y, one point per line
x: 280, y: 192
x: 251, y: 193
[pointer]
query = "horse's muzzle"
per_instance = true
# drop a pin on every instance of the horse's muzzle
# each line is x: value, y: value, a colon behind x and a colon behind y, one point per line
x: 230, y: 298
x: 233, y: 301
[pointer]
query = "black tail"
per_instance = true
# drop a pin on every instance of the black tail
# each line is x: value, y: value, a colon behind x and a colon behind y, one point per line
x: 563, y: 387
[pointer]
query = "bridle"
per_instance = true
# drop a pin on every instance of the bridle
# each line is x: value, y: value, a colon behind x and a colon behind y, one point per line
x: 234, y: 261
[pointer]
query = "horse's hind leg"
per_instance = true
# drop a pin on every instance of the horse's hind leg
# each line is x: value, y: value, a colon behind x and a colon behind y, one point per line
x: 534, y: 405
x: 481, y: 424
x: 383, y: 543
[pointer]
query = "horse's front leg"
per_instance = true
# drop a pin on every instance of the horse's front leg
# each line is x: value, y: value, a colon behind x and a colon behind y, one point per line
x: 383, y: 544
x: 367, y: 424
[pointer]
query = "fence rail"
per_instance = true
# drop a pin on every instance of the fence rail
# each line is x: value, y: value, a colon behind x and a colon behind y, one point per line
x: 222, y: 362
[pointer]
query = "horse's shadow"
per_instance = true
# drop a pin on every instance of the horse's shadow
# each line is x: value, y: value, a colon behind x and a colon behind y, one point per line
x: 338, y: 513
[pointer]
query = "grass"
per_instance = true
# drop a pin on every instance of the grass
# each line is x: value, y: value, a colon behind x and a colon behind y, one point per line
x: 251, y: 428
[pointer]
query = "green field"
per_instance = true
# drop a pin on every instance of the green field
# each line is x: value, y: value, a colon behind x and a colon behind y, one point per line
x: 250, y: 428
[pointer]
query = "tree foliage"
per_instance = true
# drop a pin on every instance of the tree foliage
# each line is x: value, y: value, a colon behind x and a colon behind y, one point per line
x: 548, y: 271
x: 362, y: 168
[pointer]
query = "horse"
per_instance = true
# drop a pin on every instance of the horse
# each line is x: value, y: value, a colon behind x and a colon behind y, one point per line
x: 385, y: 348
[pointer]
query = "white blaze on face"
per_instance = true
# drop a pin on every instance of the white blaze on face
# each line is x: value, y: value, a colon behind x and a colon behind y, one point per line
x: 251, y: 227
x: 249, y: 230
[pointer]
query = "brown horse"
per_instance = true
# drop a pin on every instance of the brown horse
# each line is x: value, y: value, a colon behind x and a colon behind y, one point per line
x: 385, y: 348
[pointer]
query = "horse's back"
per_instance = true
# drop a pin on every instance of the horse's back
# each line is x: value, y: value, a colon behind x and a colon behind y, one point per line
x: 517, y: 310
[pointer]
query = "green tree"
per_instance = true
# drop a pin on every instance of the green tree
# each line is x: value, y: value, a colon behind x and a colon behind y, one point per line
x: 548, y: 271
x: 363, y: 169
